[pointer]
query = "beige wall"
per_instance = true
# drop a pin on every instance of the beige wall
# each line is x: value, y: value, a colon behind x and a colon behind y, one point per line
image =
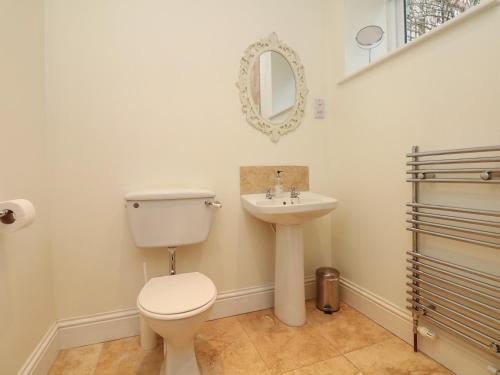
x: 440, y: 94
x: 26, y: 301
x: 142, y: 94
x: 443, y: 93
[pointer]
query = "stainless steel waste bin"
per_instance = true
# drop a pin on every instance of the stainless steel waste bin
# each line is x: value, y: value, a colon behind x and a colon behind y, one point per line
x: 327, y: 289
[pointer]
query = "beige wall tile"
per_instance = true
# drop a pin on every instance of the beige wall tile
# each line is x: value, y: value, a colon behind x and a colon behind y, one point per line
x: 257, y: 179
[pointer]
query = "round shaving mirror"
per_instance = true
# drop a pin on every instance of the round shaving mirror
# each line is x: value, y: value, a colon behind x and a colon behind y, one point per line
x: 369, y: 37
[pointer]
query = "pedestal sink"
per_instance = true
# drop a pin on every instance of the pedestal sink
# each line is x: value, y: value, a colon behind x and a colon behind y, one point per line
x: 289, y: 214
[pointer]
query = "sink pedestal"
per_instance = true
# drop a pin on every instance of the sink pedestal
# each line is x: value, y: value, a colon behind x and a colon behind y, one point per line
x: 289, y: 293
x: 288, y: 214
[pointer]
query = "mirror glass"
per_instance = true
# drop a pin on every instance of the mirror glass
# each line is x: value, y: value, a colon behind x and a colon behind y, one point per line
x: 370, y: 36
x: 273, y: 87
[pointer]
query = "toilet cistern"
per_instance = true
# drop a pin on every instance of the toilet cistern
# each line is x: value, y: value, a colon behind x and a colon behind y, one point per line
x: 171, y: 250
x: 170, y: 217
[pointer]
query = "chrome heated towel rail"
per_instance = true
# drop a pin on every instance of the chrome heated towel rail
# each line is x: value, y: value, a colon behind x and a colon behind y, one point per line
x: 460, y: 300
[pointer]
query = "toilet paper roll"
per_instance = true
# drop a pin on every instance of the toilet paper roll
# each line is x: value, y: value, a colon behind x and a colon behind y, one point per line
x: 19, y: 214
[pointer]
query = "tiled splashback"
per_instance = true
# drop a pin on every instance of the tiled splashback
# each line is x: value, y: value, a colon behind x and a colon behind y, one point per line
x: 257, y: 179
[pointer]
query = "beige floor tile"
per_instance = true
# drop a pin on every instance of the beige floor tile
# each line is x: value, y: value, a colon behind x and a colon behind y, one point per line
x: 394, y: 357
x: 222, y: 347
x: 77, y: 361
x: 257, y: 343
x: 335, y: 366
x: 349, y: 330
x: 285, y: 348
x: 126, y: 357
x: 315, y: 316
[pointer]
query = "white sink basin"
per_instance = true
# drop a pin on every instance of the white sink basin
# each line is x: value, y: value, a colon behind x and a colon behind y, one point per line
x: 288, y: 215
x: 287, y: 211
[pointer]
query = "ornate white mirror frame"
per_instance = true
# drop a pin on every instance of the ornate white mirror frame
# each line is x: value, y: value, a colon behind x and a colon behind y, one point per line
x: 252, y: 53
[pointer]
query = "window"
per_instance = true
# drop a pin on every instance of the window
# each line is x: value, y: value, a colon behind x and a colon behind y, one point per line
x: 424, y: 15
x: 401, y: 20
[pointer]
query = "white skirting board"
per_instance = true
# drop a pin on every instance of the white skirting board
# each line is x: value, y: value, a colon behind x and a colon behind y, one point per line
x: 118, y: 324
x: 41, y: 359
x: 93, y: 329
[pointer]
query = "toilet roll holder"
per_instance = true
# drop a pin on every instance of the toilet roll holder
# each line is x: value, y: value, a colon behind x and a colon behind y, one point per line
x: 7, y: 217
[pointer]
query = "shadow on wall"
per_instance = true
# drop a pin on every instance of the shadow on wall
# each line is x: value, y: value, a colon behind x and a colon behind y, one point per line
x: 4, y: 282
x: 258, y: 236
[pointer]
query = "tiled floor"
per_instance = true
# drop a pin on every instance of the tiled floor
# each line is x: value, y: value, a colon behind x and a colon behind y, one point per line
x: 345, y: 343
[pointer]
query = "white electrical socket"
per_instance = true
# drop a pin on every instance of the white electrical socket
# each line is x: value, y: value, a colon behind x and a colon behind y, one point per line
x: 426, y: 332
x: 319, y: 108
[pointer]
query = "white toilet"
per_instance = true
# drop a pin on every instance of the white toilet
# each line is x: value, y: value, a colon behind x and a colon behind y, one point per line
x: 174, y: 306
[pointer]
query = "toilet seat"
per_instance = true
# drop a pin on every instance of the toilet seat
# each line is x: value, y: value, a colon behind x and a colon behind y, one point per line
x: 176, y: 296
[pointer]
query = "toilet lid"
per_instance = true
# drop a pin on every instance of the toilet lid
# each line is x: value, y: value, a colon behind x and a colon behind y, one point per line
x: 177, y: 294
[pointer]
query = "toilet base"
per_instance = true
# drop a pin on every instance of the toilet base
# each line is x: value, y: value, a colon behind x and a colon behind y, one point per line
x: 180, y: 359
x: 178, y: 341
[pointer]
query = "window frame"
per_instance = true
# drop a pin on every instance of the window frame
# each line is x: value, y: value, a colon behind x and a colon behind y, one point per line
x: 473, y: 12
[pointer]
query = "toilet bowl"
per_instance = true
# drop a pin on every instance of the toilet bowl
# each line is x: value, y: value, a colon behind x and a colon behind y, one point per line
x: 176, y: 307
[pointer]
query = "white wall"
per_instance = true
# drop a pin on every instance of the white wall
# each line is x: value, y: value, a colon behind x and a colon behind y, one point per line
x: 26, y: 300
x: 440, y: 94
x: 141, y: 94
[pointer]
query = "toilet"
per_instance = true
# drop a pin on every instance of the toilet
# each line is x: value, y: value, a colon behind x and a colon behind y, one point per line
x: 177, y: 305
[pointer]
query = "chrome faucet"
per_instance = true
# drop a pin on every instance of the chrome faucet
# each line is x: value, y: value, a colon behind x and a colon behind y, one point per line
x: 294, y: 193
x: 269, y: 195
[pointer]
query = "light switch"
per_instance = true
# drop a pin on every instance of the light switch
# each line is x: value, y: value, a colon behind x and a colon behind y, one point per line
x: 319, y: 108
